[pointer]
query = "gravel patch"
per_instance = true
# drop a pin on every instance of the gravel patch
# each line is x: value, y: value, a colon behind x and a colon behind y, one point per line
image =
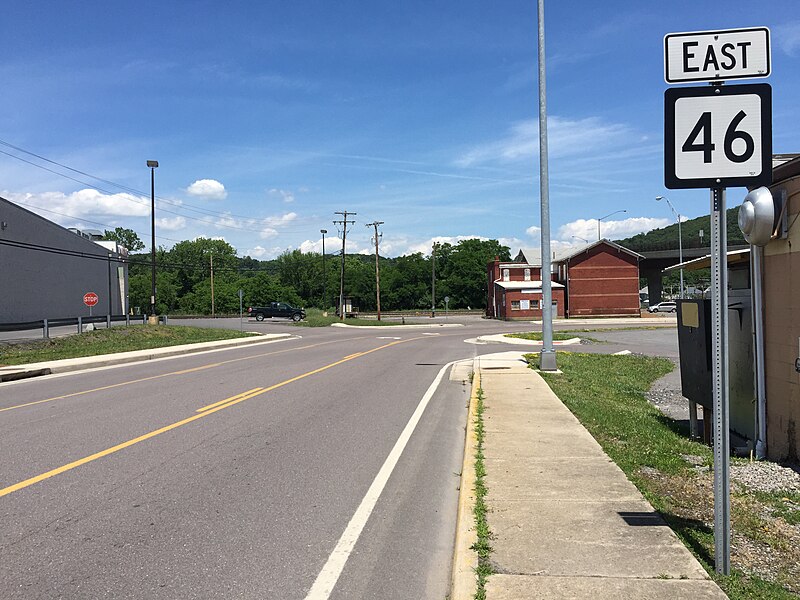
x: 764, y: 476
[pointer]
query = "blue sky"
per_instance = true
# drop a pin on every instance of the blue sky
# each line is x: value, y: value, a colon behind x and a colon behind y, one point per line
x: 267, y: 117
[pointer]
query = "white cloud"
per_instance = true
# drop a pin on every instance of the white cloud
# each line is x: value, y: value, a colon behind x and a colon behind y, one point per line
x: 210, y: 189
x: 534, y: 231
x: 566, y: 137
x: 256, y: 252
x: 587, y: 228
x: 61, y: 208
x: 285, y: 194
x: 171, y: 223
x: 268, y: 233
x: 281, y: 221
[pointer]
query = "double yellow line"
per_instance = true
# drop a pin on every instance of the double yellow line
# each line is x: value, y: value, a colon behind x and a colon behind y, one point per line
x: 202, y: 412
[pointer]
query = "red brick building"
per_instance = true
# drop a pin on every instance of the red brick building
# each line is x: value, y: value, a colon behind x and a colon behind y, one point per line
x: 600, y: 279
x: 515, y: 291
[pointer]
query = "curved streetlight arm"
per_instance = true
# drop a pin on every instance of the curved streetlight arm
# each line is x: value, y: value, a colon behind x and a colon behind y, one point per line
x: 608, y: 215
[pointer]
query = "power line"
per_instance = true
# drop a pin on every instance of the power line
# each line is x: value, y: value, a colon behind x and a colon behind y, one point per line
x: 130, y: 190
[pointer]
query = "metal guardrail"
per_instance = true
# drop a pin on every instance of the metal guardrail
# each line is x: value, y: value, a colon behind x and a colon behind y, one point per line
x: 46, y: 324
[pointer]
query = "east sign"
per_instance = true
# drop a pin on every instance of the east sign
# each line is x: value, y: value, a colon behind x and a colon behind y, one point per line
x: 717, y: 55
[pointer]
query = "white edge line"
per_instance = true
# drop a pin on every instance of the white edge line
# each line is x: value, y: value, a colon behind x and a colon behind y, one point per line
x: 329, y: 575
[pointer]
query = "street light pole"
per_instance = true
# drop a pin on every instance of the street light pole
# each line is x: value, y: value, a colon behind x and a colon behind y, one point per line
x: 153, y: 164
x: 680, y: 235
x: 324, y: 272
x: 608, y: 215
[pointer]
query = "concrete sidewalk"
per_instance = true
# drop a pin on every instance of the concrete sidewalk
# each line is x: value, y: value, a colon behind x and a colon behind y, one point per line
x: 15, y: 372
x: 566, y: 521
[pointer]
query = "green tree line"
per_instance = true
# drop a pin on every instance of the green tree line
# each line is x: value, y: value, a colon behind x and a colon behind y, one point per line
x: 183, y: 277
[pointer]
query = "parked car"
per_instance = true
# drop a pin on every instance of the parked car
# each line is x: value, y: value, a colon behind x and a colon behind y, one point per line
x: 669, y: 306
x: 276, y: 309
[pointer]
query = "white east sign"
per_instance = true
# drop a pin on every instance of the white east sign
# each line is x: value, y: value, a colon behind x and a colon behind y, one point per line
x: 717, y: 55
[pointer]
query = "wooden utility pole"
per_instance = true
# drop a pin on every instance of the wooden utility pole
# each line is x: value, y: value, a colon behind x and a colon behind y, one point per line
x: 344, y: 223
x: 433, y: 279
x: 377, y: 266
x: 213, y: 311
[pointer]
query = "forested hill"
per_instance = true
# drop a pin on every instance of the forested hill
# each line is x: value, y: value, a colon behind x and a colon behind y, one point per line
x: 666, y: 238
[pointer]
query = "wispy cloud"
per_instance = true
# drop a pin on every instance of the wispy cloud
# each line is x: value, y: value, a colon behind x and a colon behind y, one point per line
x: 566, y: 137
x: 787, y: 37
x: 287, y: 195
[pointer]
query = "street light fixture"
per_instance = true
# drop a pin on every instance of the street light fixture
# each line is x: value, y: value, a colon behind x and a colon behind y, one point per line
x: 324, y: 272
x: 153, y: 164
x: 680, y: 236
x: 577, y: 237
x: 608, y: 215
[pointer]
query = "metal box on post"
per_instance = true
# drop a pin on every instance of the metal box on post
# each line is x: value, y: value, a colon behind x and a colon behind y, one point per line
x: 694, y: 346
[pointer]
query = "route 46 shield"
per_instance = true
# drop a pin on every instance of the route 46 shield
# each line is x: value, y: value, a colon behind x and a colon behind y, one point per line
x: 718, y: 136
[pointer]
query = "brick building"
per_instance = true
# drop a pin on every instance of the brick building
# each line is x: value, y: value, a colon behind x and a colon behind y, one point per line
x: 515, y: 291
x: 600, y: 279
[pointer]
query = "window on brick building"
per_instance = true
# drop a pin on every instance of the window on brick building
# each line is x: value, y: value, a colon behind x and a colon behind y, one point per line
x: 527, y: 274
x: 505, y: 274
x: 515, y: 305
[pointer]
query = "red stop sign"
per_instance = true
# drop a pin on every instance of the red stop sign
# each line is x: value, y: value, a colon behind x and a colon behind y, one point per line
x: 90, y: 299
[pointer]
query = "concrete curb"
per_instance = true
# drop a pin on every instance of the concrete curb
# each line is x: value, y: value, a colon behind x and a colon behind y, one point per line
x: 465, y: 560
x: 501, y: 337
x: 15, y: 372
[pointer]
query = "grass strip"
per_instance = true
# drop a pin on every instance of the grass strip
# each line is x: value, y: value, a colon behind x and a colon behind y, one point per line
x: 536, y: 336
x: 607, y: 395
x: 482, y: 546
x: 109, y: 341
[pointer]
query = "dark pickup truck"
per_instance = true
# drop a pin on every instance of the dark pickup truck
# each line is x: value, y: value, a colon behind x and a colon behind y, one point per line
x: 276, y: 309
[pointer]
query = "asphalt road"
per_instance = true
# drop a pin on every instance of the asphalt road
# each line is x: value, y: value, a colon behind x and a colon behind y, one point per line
x: 235, y: 474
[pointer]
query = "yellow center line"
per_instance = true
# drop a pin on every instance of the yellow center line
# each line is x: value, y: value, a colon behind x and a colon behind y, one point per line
x: 353, y: 355
x: 170, y: 374
x: 228, y: 403
x: 236, y: 397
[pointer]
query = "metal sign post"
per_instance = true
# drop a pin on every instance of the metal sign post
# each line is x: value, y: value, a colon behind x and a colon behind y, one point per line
x: 719, y: 353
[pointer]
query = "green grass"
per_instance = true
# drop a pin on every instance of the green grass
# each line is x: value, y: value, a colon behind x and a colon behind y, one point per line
x: 482, y: 546
x: 537, y: 336
x: 108, y: 341
x: 606, y: 393
x: 315, y: 318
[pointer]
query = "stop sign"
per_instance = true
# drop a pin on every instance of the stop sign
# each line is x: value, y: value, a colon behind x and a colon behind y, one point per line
x: 90, y: 299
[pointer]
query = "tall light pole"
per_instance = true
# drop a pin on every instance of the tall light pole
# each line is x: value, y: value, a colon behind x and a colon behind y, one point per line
x: 547, y: 356
x: 324, y: 272
x: 608, y: 215
x: 680, y: 236
x: 153, y: 164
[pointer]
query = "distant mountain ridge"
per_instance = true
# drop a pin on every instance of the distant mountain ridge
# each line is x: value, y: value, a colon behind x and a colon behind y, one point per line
x: 666, y: 238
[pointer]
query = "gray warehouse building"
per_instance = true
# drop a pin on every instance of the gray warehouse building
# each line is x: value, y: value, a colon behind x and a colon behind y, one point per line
x: 45, y: 269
